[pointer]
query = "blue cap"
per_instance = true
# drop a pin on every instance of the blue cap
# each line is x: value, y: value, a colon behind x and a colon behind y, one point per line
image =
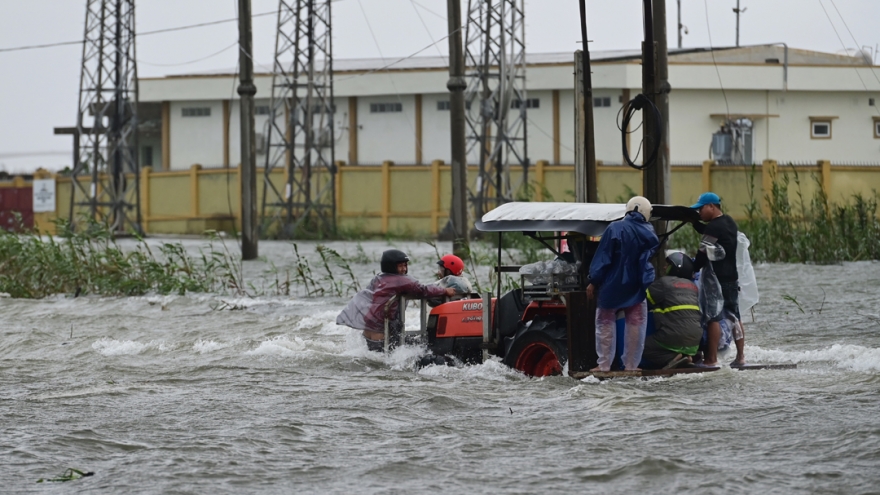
x: 707, y: 198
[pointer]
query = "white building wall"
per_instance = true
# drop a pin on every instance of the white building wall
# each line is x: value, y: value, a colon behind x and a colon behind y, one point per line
x: 196, y: 139
x: 387, y: 136
x: 540, y: 126
x: 606, y: 135
x: 566, y: 127
x: 852, y: 137
x: 436, y: 138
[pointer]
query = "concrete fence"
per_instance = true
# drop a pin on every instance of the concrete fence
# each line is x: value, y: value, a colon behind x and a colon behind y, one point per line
x: 415, y: 199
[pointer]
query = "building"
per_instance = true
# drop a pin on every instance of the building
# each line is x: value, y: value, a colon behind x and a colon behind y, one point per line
x: 787, y: 104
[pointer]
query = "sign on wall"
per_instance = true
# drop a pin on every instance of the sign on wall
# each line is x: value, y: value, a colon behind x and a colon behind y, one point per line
x: 44, y: 195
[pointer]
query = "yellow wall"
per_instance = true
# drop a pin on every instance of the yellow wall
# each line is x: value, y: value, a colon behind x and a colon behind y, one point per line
x: 415, y: 200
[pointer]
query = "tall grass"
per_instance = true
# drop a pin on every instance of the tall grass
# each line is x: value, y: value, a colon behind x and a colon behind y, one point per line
x: 801, y: 229
x: 92, y: 262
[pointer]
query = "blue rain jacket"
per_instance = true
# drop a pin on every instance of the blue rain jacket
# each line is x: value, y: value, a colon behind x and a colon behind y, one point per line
x: 621, y: 269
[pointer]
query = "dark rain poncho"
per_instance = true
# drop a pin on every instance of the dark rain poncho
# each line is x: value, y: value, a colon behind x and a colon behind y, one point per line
x: 369, y: 307
x: 621, y: 269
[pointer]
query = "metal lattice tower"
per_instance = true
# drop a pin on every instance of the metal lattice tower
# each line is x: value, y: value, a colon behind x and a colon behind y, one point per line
x: 105, y: 177
x: 301, y: 137
x: 496, y: 98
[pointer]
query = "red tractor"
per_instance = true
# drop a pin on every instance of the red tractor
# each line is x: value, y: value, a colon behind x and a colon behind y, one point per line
x: 548, y: 321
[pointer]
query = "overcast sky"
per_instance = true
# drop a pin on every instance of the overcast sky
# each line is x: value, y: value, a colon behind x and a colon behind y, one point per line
x: 39, y: 88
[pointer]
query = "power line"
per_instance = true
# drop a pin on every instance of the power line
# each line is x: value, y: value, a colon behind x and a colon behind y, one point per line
x: 145, y: 33
x: 853, y: 38
x: 712, y: 51
x: 844, y: 47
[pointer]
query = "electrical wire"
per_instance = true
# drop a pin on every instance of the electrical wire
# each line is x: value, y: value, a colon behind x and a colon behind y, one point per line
x: 876, y: 109
x: 714, y: 62
x: 145, y: 33
x: 641, y: 102
x: 413, y: 3
x: 206, y: 57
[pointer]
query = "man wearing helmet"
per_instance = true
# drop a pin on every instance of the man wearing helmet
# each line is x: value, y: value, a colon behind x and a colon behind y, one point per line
x: 719, y: 230
x: 370, y: 307
x: 620, y: 272
x: 450, y: 274
x: 674, y: 300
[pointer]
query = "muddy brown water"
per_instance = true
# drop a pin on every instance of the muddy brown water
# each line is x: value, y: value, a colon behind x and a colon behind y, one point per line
x: 211, y: 393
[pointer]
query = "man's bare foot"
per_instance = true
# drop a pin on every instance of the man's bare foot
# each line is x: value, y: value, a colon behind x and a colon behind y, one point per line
x: 736, y: 363
x: 708, y: 365
x: 633, y: 369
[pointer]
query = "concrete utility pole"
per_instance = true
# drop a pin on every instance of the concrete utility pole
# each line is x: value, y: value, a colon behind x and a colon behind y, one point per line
x: 456, y: 85
x: 738, y: 11
x: 586, y: 188
x: 655, y: 82
x: 679, y: 23
x: 247, y: 90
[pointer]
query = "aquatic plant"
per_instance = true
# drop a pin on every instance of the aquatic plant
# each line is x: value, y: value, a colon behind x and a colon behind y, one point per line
x: 69, y: 474
x: 90, y: 261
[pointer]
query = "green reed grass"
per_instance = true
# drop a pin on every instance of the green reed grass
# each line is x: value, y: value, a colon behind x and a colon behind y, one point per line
x: 803, y: 229
x: 92, y: 262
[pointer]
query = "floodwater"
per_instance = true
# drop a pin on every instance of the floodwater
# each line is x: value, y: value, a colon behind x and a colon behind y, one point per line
x: 209, y: 393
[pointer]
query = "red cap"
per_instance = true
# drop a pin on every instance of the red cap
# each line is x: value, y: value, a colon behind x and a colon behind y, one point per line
x: 452, y: 263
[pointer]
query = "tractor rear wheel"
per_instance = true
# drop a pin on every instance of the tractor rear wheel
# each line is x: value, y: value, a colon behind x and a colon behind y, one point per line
x: 537, y: 353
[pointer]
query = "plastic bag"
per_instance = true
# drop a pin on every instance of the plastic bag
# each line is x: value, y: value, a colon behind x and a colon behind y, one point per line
x: 748, y: 285
x: 541, y: 272
x: 711, y: 298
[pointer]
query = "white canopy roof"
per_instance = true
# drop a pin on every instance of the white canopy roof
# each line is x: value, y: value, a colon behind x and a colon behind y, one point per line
x: 600, y: 212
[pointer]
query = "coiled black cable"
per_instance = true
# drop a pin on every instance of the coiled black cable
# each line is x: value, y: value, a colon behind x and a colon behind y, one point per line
x: 641, y: 102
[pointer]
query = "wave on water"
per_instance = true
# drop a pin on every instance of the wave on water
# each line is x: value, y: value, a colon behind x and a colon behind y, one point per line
x: 208, y: 346
x: 844, y: 356
x: 112, y: 347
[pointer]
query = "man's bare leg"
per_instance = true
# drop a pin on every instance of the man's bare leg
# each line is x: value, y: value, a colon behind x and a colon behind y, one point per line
x: 713, y: 337
x: 740, y: 344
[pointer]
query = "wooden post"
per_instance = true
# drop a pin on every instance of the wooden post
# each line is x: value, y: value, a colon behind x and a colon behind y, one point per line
x: 337, y: 189
x: 825, y: 172
x: 145, y: 198
x: 626, y: 96
x: 556, y: 143
x: 539, y: 179
x: 225, y: 133
x: 707, y: 174
x: 435, y: 196
x: 386, y: 193
x: 166, y: 135
x: 418, y: 129
x: 768, y: 175
x: 194, y: 190
x: 352, y: 130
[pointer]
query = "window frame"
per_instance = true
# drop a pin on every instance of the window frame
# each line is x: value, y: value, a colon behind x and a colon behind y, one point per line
x: 820, y: 120
x: 876, y: 121
x: 195, y: 112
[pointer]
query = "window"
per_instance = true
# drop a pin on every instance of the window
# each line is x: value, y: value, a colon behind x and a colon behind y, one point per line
x: 820, y: 129
x: 262, y: 110
x: 602, y: 101
x: 385, y: 107
x: 876, y: 127
x: 444, y: 105
x: 197, y: 112
x: 530, y: 103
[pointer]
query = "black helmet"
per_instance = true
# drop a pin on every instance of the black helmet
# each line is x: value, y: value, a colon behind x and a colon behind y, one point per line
x: 391, y: 258
x: 680, y: 265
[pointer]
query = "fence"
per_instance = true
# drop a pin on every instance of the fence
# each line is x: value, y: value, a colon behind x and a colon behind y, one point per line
x: 415, y: 199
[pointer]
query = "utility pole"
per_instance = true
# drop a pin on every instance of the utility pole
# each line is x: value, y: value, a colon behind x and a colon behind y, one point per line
x: 655, y: 82
x: 738, y: 11
x: 457, y: 122
x: 247, y: 90
x: 586, y: 188
x: 679, y: 23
